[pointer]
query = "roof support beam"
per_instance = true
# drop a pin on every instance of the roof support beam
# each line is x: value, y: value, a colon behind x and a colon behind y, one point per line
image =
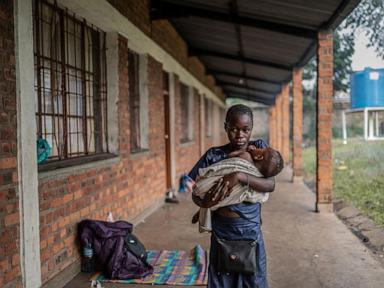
x: 240, y: 76
x: 250, y: 98
x: 230, y: 84
x: 203, y: 52
x: 165, y: 9
x: 228, y: 92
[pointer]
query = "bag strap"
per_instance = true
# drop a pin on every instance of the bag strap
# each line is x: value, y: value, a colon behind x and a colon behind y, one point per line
x: 221, y: 240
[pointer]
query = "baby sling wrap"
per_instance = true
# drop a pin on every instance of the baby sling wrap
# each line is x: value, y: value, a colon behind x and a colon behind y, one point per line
x: 240, y: 193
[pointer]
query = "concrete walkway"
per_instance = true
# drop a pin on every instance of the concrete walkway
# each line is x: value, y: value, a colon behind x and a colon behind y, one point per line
x: 305, y: 249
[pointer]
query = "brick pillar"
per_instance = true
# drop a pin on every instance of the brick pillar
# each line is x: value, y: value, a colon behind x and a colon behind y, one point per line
x: 285, y: 123
x: 324, y: 121
x: 297, y: 126
x: 275, y: 125
x: 278, y: 123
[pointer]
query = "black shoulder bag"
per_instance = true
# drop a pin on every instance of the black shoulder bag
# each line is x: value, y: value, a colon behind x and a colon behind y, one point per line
x: 136, y: 247
x: 236, y: 256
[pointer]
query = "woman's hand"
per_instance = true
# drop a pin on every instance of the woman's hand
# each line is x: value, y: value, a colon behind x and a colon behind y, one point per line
x: 231, y: 180
x: 220, y: 190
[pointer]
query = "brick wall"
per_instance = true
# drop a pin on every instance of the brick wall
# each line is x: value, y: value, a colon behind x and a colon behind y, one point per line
x: 9, y: 198
x: 127, y: 185
x: 126, y: 188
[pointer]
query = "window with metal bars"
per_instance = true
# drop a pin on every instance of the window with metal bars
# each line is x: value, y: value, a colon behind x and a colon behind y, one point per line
x: 134, y: 100
x: 70, y: 83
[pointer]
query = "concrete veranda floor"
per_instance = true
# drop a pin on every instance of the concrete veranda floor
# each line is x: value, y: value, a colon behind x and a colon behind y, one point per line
x: 304, y: 248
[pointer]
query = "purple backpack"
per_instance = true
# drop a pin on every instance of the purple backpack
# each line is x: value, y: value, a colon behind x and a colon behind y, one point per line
x: 113, y: 253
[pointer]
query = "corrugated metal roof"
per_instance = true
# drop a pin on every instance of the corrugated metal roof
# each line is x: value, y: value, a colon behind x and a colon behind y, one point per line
x: 252, y: 46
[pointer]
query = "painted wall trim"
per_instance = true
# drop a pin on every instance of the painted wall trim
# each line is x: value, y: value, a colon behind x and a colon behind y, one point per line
x: 112, y: 55
x: 144, y: 101
x: 106, y: 17
x: 26, y: 146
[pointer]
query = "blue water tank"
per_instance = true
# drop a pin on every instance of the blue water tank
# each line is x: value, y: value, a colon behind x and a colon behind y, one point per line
x: 367, y: 88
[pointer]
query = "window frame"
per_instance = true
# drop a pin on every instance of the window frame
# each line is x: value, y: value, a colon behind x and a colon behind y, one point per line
x: 138, y: 91
x: 98, y: 74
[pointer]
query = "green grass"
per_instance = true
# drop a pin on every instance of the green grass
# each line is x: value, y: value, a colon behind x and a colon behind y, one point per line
x: 358, y: 175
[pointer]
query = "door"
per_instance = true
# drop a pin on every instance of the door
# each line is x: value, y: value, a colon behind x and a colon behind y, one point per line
x: 167, y: 130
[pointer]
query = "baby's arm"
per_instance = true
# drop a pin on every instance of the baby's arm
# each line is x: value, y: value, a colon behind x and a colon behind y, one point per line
x: 236, y: 153
x: 241, y: 154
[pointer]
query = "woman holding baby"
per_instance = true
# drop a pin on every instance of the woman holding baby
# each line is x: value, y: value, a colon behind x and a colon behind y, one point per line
x: 237, y: 222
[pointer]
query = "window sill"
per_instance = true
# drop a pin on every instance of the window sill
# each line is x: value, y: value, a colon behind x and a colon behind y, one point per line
x: 186, y: 143
x: 138, y: 153
x: 64, y: 168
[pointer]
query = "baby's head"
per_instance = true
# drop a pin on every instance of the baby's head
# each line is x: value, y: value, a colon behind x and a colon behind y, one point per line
x: 267, y: 160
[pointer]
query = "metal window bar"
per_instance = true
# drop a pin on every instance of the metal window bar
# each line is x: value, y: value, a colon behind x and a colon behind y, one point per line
x: 70, y: 84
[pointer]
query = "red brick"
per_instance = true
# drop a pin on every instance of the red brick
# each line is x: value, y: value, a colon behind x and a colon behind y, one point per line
x: 285, y: 123
x: 8, y: 163
x: 15, y: 260
x: 11, y: 219
x: 4, y: 265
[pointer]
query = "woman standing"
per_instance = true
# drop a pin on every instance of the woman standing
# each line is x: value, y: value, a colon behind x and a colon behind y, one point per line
x: 240, y: 221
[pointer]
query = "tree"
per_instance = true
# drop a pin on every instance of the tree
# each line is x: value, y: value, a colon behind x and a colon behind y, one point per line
x: 343, y: 50
x: 367, y: 17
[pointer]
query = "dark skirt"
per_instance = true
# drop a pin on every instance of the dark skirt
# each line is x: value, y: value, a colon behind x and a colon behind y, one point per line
x: 237, y: 229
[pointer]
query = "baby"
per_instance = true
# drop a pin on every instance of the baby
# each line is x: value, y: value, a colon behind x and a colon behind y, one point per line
x: 265, y: 162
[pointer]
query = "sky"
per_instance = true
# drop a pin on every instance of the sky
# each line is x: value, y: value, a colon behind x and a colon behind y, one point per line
x: 364, y: 57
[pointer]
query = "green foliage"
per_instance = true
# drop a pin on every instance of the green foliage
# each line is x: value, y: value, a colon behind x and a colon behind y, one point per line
x: 368, y: 17
x: 309, y: 71
x: 337, y: 132
x: 361, y: 182
x: 343, y: 50
x: 353, y: 131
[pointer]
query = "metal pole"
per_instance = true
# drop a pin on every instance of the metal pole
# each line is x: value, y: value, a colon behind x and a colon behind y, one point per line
x: 344, y: 127
x: 371, y: 125
x: 377, y: 123
x: 365, y: 124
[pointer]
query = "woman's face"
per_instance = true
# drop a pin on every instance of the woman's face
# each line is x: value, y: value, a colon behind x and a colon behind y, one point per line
x: 239, y: 129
